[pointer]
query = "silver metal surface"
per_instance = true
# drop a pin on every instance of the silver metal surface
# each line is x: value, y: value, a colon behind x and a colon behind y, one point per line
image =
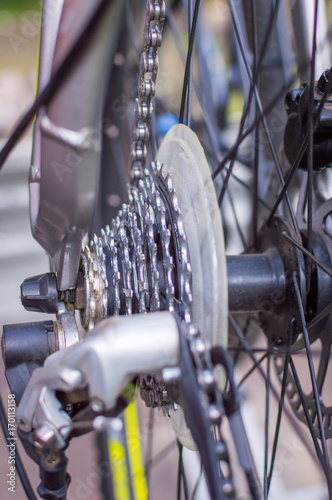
x: 66, y: 326
x: 51, y: 14
x: 106, y: 361
x: 64, y: 177
x: 81, y: 140
x: 95, y: 285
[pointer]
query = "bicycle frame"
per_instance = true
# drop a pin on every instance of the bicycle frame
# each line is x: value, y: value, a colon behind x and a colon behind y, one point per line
x: 66, y: 154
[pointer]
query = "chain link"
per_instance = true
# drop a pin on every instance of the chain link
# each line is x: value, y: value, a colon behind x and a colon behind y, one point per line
x: 148, y: 70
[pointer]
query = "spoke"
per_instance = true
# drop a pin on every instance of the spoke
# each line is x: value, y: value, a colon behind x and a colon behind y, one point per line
x: 323, y: 365
x: 198, y: 482
x: 251, y: 191
x: 262, y: 113
x: 256, y: 139
x: 189, y: 60
x: 232, y: 152
x: 238, y: 226
x: 246, y: 109
x: 302, y: 150
x: 310, y: 152
x: 273, y: 350
x: 289, y: 415
x: 270, y: 27
x: 306, y: 411
x: 281, y: 405
x: 208, y: 118
x: 325, y: 466
x: 311, y: 142
x: 266, y: 429
x: 269, y: 107
x: 290, y: 176
x: 239, y: 157
x: 311, y: 370
x: 161, y: 455
x: 190, y: 20
x: 179, y: 472
x: 247, y: 106
x: 181, y: 475
x: 255, y: 197
x: 253, y: 368
x: 245, y: 113
x: 308, y: 254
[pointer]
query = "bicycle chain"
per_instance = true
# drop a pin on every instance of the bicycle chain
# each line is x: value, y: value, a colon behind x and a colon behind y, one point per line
x: 148, y: 69
x: 152, y: 213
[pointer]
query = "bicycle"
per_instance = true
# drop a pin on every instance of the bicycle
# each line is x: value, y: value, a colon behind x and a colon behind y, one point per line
x: 155, y: 255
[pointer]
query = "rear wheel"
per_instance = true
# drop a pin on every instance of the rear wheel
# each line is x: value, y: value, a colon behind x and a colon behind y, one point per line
x: 279, y: 276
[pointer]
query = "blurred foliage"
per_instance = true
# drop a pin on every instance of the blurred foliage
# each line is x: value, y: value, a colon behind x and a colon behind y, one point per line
x: 18, y: 6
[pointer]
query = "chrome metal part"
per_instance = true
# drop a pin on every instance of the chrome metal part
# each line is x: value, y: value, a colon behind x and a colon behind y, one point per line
x: 154, y: 24
x: 95, y: 285
x: 66, y: 327
x: 106, y: 360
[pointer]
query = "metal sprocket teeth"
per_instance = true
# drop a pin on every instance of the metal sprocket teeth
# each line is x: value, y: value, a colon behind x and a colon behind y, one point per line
x: 141, y: 263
